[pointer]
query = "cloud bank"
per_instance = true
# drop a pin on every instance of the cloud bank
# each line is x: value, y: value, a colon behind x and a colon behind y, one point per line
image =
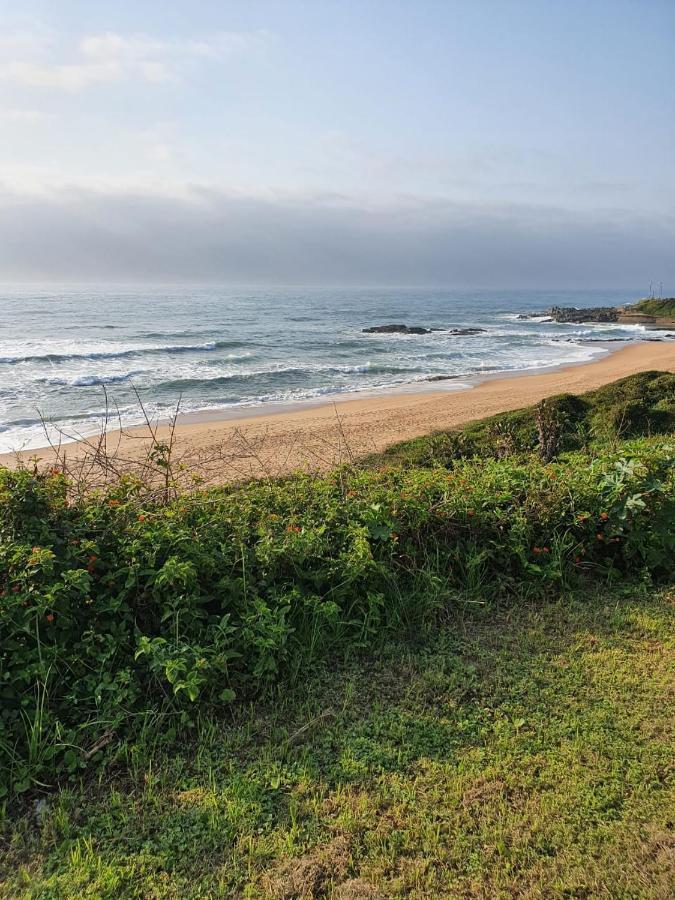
x: 207, y: 235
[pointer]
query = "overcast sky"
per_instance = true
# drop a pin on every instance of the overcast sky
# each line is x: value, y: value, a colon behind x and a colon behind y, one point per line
x: 475, y: 143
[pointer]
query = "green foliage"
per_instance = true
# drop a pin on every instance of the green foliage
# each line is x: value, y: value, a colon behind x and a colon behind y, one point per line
x: 117, y: 610
x: 113, y: 608
x: 652, y: 307
x: 639, y: 404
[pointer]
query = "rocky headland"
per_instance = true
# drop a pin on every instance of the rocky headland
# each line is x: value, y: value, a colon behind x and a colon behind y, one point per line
x: 650, y: 312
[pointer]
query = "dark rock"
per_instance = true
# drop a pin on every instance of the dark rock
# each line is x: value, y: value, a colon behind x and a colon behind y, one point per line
x: 579, y: 316
x: 396, y: 329
x: 459, y: 331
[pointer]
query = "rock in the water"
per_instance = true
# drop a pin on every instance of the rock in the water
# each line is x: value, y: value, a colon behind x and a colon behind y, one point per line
x: 579, y: 316
x: 460, y: 331
x: 396, y: 329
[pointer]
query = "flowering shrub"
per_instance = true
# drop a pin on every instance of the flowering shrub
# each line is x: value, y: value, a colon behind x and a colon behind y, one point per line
x: 110, y: 608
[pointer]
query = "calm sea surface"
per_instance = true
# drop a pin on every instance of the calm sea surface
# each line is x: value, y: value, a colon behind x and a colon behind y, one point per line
x: 242, y: 348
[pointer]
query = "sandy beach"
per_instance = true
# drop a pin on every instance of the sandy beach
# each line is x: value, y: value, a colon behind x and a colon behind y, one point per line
x: 316, y: 437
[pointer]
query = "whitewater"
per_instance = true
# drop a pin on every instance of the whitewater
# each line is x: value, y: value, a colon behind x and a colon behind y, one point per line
x: 68, y: 355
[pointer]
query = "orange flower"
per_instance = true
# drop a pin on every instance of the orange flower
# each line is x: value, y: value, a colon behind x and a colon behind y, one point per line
x: 141, y: 518
x: 294, y: 529
x: 35, y: 549
x: 49, y: 617
x: 113, y: 503
x: 604, y: 516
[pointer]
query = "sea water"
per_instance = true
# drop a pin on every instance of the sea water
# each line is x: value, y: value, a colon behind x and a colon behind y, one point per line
x: 68, y: 355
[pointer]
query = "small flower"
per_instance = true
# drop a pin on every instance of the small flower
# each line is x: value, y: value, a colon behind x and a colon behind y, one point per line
x: 545, y: 549
x: 49, y: 617
x: 35, y: 549
x: 536, y: 550
x: 113, y: 503
x: 471, y: 512
x: 293, y: 529
x: 141, y: 518
x: 604, y: 516
x: 600, y: 536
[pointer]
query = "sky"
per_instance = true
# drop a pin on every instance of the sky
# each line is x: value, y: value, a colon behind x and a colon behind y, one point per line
x: 483, y: 143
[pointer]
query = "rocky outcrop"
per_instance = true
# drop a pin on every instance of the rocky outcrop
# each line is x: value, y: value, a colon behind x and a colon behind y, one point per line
x: 652, y: 313
x: 396, y: 329
x: 463, y: 331
x: 578, y: 316
x: 418, y: 329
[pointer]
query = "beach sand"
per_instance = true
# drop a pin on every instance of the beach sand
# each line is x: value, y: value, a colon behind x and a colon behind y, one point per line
x: 319, y: 436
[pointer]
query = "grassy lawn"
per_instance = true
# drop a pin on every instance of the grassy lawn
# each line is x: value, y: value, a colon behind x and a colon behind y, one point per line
x: 516, y: 751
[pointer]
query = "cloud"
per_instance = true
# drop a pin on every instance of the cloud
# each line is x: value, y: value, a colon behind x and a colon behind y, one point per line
x: 110, y: 57
x: 28, y: 116
x: 60, y: 77
x: 206, y: 235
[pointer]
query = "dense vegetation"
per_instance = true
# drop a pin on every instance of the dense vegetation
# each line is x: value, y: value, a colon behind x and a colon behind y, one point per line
x: 127, y: 623
x: 652, y: 307
x: 113, y: 608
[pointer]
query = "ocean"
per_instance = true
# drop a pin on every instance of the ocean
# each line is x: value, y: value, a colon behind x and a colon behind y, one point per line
x: 228, y: 349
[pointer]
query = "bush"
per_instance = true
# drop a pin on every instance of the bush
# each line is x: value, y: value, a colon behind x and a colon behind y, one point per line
x: 112, y: 608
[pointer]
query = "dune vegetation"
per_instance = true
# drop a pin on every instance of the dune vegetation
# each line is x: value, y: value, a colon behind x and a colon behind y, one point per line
x: 441, y: 672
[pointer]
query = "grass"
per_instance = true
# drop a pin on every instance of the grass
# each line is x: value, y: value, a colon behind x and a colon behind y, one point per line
x: 523, y: 750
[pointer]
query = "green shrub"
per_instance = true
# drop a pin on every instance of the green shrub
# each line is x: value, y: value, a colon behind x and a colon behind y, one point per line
x: 111, y: 608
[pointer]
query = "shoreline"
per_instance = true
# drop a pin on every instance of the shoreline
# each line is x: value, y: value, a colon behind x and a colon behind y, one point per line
x: 441, y: 385
x: 327, y: 432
